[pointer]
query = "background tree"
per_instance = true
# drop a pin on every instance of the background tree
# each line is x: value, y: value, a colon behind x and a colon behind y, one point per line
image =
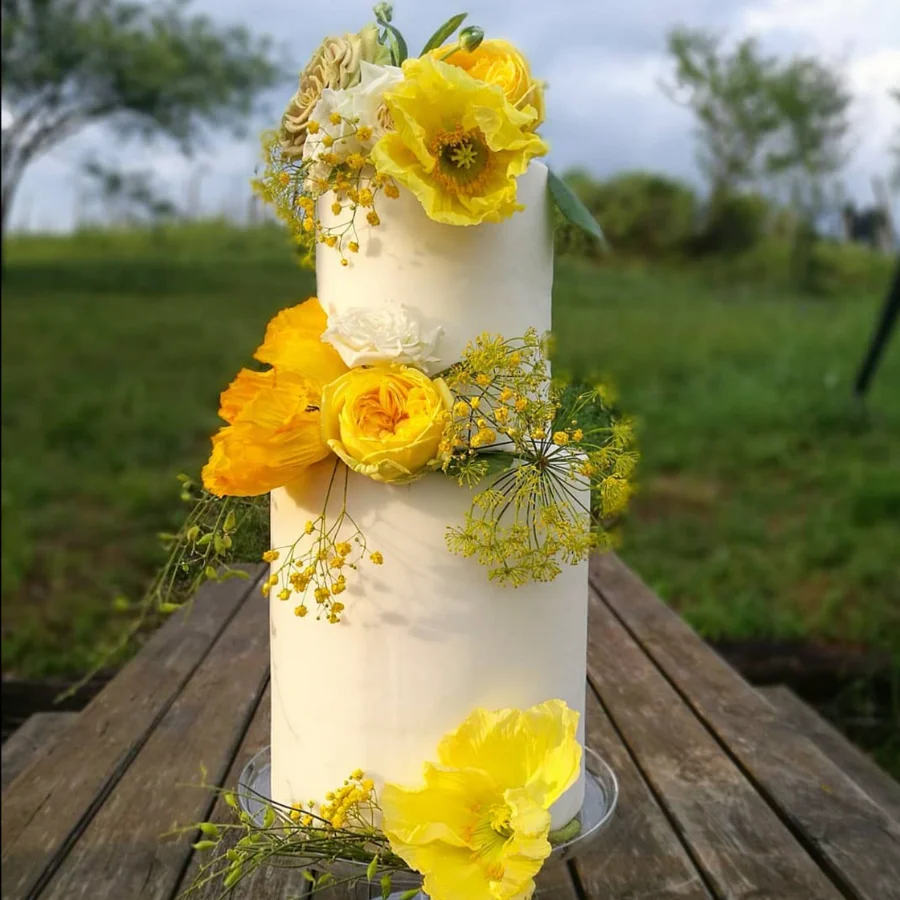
x: 809, y: 146
x: 151, y: 69
x: 729, y: 95
x: 779, y: 126
x: 809, y: 150
x: 128, y: 197
x: 895, y: 147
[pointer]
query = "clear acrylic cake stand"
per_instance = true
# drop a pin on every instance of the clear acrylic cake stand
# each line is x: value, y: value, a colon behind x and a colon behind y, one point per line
x: 600, y: 798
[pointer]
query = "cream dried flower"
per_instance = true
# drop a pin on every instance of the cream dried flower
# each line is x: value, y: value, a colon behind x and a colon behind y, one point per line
x: 335, y: 64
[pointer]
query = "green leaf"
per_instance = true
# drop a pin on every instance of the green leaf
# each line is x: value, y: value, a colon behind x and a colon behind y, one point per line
x: 230, y: 522
x: 372, y: 868
x: 385, y: 887
x: 399, y: 50
x: 572, y: 208
x: 446, y: 30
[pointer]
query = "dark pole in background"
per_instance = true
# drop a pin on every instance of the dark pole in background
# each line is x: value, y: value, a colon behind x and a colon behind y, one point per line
x: 886, y: 322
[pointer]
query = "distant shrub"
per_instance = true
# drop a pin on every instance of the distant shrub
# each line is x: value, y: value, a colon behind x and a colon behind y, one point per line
x: 733, y: 224
x: 642, y: 214
x: 839, y: 269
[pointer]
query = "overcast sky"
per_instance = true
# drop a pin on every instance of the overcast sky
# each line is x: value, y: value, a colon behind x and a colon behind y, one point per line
x: 602, y: 59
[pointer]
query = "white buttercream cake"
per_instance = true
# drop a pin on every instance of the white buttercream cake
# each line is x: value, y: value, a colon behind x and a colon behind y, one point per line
x: 426, y: 637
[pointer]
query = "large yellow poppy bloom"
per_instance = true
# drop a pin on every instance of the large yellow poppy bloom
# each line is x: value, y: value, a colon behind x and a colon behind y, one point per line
x: 274, y: 431
x: 458, y: 143
x: 479, y: 827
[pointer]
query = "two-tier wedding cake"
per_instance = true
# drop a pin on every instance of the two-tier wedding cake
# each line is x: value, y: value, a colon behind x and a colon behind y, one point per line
x: 435, y: 494
x: 425, y: 638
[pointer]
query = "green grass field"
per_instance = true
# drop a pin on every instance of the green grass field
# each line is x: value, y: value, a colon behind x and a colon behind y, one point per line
x: 768, y: 505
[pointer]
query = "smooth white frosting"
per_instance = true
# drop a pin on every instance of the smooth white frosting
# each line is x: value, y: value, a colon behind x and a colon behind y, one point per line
x: 425, y: 638
x: 494, y: 277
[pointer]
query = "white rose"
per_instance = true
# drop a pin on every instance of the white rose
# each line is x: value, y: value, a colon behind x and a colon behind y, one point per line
x: 367, y: 337
x: 358, y: 106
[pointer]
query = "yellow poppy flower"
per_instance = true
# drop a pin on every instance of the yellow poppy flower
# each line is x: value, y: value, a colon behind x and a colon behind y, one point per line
x: 273, y: 417
x: 386, y: 421
x: 246, y: 385
x: 479, y: 827
x: 499, y: 62
x: 270, y: 442
x: 293, y: 341
x: 458, y: 143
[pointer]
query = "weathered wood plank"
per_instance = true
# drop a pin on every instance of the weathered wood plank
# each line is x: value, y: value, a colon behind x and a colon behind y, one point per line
x: 639, y: 854
x: 850, y: 759
x: 45, y: 811
x: 555, y: 882
x: 270, y: 882
x: 850, y: 837
x: 30, y: 741
x: 122, y: 851
x: 742, y: 847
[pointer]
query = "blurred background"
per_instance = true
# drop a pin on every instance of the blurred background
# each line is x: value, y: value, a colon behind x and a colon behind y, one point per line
x: 743, y: 158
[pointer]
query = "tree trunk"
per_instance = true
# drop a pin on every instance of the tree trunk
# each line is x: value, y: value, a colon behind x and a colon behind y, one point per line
x: 11, y: 179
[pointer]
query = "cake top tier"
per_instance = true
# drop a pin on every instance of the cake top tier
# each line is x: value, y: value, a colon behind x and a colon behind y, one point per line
x: 451, y: 284
x: 454, y: 128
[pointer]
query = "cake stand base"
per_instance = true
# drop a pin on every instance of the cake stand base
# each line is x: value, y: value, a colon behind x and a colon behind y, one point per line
x: 601, y: 793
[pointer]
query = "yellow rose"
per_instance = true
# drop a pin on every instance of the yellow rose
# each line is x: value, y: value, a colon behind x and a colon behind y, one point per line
x: 498, y: 62
x: 386, y: 421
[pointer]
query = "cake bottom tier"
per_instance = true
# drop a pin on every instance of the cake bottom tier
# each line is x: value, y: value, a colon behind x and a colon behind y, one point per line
x: 424, y: 640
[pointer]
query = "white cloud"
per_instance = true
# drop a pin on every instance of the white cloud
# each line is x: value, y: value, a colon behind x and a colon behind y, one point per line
x: 863, y: 40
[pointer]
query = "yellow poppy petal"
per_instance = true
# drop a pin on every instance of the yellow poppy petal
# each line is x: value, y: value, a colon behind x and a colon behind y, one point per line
x: 517, y: 748
x: 246, y: 385
x: 271, y: 441
x: 440, y: 811
x: 293, y: 341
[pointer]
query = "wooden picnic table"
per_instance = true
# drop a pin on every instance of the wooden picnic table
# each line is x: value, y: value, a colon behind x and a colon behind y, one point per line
x: 725, y: 791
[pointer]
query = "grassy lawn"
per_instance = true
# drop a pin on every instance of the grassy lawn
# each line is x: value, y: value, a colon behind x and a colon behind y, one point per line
x: 767, y: 505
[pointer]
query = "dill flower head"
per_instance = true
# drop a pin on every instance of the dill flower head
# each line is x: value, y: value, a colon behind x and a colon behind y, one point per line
x: 552, y: 497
